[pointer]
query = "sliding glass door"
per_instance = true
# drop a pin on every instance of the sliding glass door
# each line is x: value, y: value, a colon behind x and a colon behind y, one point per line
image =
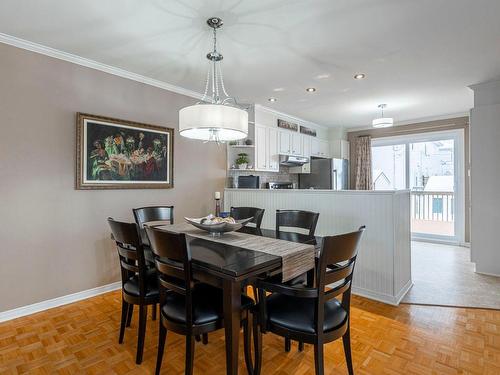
x: 430, y: 165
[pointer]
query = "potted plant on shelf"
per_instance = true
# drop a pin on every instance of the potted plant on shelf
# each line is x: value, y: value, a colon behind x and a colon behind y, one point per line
x: 242, y: 161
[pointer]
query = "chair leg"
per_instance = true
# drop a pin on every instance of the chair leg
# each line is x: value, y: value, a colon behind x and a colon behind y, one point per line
x: 189, y: 354
x: 247, y: 343
x: 318, y: 359
x: 125, y: 307
x: 205, y: 338
x: 129, y: 314
x: 257, y: 342
x: 143, y: 314
x: 301, y: 346
x: 288, y: 344
x: 153, y: 315
x: 197, y: 338
x: 162, y: 337
x: 346, y: 340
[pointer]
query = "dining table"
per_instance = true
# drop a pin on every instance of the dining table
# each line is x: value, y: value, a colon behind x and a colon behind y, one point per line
x: 231, y: 268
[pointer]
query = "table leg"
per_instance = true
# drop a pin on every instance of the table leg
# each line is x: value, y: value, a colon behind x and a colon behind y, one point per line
x: 232, y: 316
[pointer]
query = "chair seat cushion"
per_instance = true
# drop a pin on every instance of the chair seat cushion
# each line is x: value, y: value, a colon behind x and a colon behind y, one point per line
x: 297, y: 314
x: 131, y: 286
x: 207, y: 305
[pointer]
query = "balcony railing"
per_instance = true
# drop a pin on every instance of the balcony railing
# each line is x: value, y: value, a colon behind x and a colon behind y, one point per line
x: 432, y: 206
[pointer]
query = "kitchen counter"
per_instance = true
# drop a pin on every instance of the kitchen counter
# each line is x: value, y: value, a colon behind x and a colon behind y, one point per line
x: 383, y: 268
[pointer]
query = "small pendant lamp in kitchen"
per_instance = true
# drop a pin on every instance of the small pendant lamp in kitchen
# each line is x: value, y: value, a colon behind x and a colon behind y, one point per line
x: 217, y: 117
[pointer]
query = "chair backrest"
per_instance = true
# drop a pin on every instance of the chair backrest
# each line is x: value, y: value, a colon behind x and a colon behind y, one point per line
x: 130, y: 252
x: 297, y: 219
x: 335, y: 270
x: 173, y: 264
x: 240, y: 213
x: 152, y: 214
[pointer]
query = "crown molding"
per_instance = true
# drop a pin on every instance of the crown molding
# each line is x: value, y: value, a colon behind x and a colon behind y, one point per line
x: 82, y: 61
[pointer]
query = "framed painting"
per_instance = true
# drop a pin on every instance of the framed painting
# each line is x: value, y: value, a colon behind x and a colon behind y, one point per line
x: 120, y: 154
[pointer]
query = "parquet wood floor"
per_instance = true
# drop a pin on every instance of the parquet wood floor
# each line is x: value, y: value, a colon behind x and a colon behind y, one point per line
x: 82, y: 338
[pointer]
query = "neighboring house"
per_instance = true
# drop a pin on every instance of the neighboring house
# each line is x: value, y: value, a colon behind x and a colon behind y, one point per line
x: 381, y: 181
x: 441, y: 203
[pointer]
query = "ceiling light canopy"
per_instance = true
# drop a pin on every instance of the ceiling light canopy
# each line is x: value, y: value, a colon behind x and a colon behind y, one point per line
x: 359, y: 76
x: 217, y: 117
x: 383, y: 122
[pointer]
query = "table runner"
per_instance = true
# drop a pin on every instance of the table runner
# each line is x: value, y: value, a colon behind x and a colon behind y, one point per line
x: 296, y: 258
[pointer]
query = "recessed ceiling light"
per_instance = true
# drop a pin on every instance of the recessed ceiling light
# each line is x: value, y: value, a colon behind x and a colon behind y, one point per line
x: 322, y: 76
x: 272, y: 99
x: 311, y: 89
x: 278, y: 89
x: 359, y: 76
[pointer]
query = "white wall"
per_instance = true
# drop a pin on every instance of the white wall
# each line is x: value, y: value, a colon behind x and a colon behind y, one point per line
x: 485, y: 177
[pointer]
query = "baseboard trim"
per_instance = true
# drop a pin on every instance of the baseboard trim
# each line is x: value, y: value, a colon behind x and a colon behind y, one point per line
x: 403, y: 292
x: 58, y: 301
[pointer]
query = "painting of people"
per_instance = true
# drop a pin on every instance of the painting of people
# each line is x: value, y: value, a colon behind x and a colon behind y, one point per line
x: 114, y: 153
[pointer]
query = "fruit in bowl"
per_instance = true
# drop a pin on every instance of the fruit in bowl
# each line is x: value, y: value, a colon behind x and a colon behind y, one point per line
x: 218, y: 225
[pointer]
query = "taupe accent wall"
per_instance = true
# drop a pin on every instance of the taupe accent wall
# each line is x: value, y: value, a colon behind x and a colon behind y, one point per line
x: 54, y: 239
x: 422, y: 127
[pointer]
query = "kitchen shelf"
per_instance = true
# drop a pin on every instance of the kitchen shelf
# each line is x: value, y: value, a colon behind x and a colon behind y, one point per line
x: 241, y: 170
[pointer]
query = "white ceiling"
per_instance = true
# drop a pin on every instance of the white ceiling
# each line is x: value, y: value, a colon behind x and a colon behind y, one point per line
x: 419, y: 55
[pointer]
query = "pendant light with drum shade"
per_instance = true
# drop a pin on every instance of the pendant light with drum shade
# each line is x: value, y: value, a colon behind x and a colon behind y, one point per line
x: 383, y: 122
x: 217, y: 117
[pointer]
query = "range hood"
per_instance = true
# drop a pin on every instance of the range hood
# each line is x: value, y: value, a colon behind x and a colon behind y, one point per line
x: 293, y: 161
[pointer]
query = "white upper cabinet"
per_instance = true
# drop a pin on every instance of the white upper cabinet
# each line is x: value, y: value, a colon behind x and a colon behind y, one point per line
x: 285, y: 142
x: 296, y: 144
x: 272, y: 148
x: 320, y: 148
x: 315, y: 151
x: 266, y: 149
x: 306, y: 146
x: 324, y: 148
x: 260, y: 147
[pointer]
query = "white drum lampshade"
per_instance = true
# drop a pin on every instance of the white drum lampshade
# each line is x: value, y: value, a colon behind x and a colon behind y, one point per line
x: 208, y: 121
x: 383, y: 122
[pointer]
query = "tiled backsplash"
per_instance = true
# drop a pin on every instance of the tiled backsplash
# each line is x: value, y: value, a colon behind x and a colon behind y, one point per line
x: 281, y: 176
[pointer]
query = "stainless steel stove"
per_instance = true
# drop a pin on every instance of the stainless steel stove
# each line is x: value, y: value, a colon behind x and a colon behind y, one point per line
x: 280, y: 185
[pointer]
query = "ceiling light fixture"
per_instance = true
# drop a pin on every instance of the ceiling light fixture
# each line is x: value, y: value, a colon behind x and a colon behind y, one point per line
x: 217, y: 117
x: 311, y: 89
x: 383, y: 122
x: 359, y: 76
x: 272, y: 99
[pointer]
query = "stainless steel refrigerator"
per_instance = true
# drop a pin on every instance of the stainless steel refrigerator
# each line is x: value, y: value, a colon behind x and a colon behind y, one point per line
x: 326, y: 174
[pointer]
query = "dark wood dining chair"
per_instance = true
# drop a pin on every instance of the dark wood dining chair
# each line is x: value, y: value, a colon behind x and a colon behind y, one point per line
x: 297, y: 219
x: 139, y: 284
x: 240, y: 213
x: 312, y: 314
x: 187, y: 307
x: 152, y: 215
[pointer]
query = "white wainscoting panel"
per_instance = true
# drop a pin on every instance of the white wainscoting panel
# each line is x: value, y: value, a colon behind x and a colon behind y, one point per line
x: 383, y: 265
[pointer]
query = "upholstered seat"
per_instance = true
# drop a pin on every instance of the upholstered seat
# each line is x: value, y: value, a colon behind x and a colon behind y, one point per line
x: 131, y: 286
x: 207, y: 305
x: 297, y: 314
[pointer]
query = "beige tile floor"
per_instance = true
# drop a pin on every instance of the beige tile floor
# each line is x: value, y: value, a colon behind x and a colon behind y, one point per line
x: 443, y: 275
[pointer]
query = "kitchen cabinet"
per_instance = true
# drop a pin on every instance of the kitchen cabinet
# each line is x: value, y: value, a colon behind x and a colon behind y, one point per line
x: 320, y: 148
x: 266, y: 149
x: 306, y: 146
x: 290, y: 143
x: 260, y: 147
x: 285, y: 141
